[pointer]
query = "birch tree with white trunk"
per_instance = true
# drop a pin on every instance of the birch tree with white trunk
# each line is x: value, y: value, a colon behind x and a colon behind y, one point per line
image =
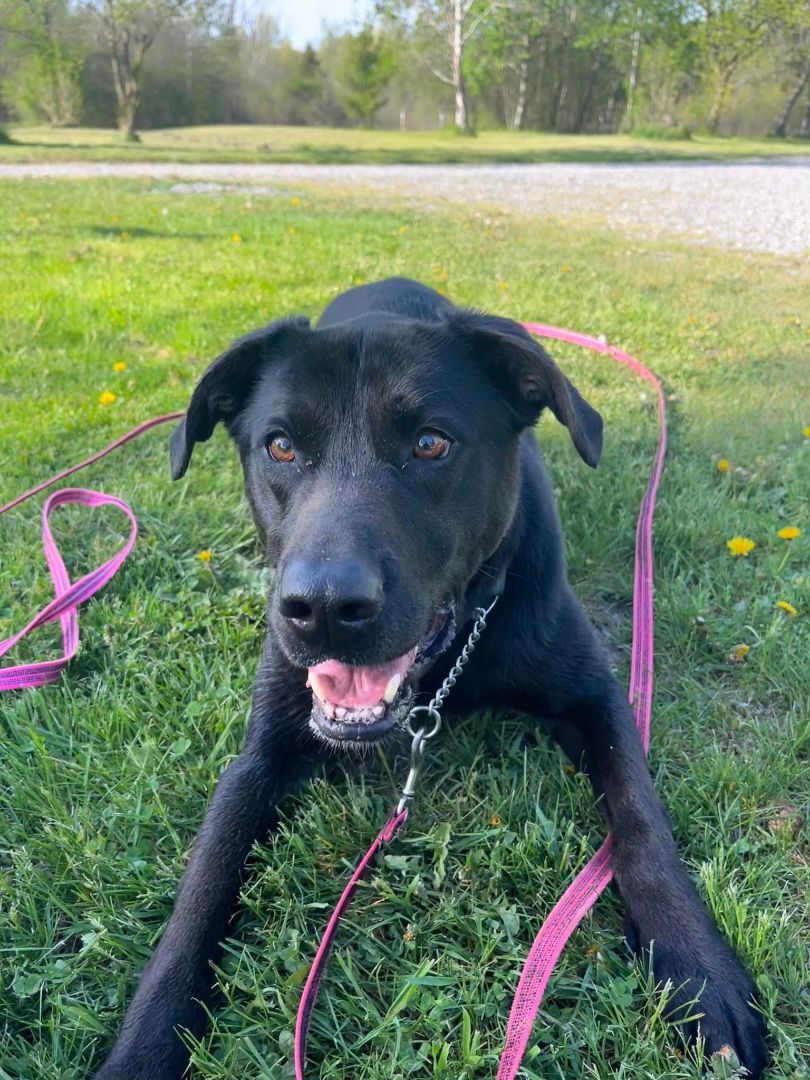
x: 446, y: 27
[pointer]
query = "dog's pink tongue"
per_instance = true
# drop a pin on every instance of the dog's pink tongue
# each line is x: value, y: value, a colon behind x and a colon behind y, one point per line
x: 354, y: 687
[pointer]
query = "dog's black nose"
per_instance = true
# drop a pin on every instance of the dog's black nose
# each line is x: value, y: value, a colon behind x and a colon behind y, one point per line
x: 327, y: 603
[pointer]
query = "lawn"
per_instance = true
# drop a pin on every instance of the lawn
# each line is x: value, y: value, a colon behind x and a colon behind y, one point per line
x: 265, y: 143
x: 104, y: 777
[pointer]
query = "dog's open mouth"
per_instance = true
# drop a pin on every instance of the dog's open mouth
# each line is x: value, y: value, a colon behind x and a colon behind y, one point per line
x: 356, y: 705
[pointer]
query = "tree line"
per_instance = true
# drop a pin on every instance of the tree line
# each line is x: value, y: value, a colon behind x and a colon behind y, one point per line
x: 660, y: 67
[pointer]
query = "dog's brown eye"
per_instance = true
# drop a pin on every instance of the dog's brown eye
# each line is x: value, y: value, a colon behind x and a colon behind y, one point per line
x: 280, y: 448
x: 432, y: 445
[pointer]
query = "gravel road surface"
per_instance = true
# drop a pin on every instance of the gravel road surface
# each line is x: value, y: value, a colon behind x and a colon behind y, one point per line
x: 754, y: 206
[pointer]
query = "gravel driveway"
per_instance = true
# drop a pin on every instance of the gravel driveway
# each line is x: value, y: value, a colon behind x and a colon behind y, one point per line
x: 755, y: 206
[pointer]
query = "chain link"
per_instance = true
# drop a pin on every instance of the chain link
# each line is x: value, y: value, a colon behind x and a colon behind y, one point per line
x: 432, y: 709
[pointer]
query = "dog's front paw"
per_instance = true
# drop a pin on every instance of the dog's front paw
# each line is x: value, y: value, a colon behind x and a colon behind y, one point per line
x: 713, y: 998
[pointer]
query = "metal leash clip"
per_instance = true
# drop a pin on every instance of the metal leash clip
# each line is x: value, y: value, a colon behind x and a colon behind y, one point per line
x: 431, y: 711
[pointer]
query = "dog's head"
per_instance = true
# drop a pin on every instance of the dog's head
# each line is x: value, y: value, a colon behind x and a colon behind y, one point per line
x: 381, y: 462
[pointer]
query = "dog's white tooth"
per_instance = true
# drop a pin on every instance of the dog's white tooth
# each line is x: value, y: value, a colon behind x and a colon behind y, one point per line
x: 340, y: 712
x: 378, y: 710
x: 328, y: 708
x: 391, y: 689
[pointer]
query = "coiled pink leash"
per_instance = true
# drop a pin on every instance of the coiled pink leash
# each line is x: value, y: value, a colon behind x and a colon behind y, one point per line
x: 590, y: 882
x: 69, y: 595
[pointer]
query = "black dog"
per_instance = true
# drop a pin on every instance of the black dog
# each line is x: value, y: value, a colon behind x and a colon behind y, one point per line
x: 396, y: 484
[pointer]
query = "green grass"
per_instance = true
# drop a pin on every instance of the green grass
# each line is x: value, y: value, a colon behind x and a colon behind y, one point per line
x: 265, y: 143
x: 104, y: 777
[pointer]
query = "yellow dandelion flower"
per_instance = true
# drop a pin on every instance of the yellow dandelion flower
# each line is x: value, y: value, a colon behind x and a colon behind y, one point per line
x: 503, y: 285
x: 119, y: 366
x: 106, y: 397
x: 806, y: 432
x: 237, y: 239
x: 790, y: 532
x: 566, y: 269
x: 205, y: 556
x: 740, y: 545
x: 789, y: 609
x: 723, y: 465
x: 124, y: 234
x: 295, y: 201
x: 409, y: 935
x: 739, y: 653
x: 292, y: 230
x: 495, y: 821
x: 403, y: 228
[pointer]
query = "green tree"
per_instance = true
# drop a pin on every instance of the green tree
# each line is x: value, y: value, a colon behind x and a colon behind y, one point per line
x: 442, y: 31
x: 129, y: 29
x: 42, y: 78
x: 730, y: 32
x: 795, y: 39
x: 365, y: 69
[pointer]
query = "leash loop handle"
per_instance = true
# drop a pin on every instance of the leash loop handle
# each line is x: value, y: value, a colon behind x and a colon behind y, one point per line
x: 68, y: 595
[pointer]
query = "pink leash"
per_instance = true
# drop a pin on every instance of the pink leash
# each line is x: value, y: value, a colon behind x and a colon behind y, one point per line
x: 590, y: 882
x: 581, y: 894
x: 69, y: 596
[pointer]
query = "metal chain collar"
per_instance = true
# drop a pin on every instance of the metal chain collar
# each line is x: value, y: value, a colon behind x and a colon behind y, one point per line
x: 432, y: 712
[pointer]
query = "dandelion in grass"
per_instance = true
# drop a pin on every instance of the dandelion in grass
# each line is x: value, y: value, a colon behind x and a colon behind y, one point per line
x: 739, y: 653
x: 119, y: 366
x: 236, y: 238
x: 740, y: 545
x: 295, y: 201
x: 787, y: 607
x: 205, y: 556
x: 723, y: 465
x: 790, y: 532
x: 806, y: 432
x: 496, y: 821
x: 292, y: 230
x: 125, y: 234
x: 403, y: 229
x: 106, y: 397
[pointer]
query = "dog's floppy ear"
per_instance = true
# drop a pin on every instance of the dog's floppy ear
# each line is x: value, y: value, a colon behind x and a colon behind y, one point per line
x: 529, y: 378
x: 223, y: 390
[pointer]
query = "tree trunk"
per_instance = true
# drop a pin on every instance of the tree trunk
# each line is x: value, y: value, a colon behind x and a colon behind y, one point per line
x: 523, y: 85
x: 582, y: 111
x: 561, y: 96
x: 126, y: 118
x: 459, y: 89
x: 632, y: 78
x: 127, y: 91
x: 804, y: 130
x: 720, y: 99
x: 781, y: 122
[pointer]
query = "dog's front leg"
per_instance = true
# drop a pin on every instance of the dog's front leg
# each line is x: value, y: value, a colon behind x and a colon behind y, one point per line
x: 572, y: 686
x: 664, y: 911
x: 178, y: 978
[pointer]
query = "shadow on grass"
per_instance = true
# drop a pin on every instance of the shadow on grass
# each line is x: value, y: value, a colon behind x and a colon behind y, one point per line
x: 138, y: 232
